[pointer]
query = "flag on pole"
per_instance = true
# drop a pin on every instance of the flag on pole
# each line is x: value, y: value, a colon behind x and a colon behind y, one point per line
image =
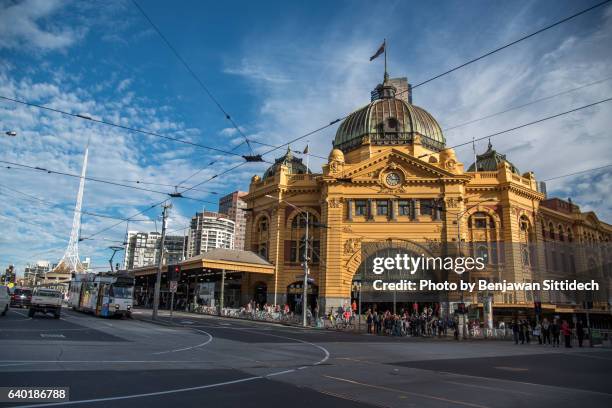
x: 306, y: 150
x: 381, y: 49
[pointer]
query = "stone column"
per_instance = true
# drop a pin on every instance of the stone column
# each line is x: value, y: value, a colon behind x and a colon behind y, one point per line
x: 393, y: 209
x: 349, y: 209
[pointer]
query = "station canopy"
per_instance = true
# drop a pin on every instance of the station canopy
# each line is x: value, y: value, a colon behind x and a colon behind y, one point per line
x: 233, y: 260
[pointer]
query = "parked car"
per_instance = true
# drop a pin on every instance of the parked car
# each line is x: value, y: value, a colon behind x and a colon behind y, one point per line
x: 21, y: 297
x: 5, y: 299
x: 46, y: 301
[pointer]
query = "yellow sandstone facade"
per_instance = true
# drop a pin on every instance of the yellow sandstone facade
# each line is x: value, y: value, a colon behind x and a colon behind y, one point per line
x: 390, y: 180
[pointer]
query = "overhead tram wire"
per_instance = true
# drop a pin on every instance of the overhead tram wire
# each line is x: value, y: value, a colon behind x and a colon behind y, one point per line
x: 501, y: 132
x: 89, y: 237
x: 49, y: 171
x: 54, y: 204
x: 545, y: 98
x: 503, y: 47
x: 450, y: 147
x: 473, y: 60
x: 116, y: 125
x: 578, y: 172
x: 194, y: 75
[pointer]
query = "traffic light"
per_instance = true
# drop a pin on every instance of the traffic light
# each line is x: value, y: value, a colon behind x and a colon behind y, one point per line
x: 537, y: 307
x: 174, y: 272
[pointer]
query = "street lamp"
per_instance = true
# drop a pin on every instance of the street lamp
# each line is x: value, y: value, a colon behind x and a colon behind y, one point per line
x: 457, y: 220
x: 305, y: 284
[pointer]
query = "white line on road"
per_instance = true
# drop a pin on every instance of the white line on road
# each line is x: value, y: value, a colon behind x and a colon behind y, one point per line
x: 416, y: 394
x: 149, y: 394
x: 210, y: 338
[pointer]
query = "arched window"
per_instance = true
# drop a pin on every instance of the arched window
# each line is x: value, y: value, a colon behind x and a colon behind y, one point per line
x: 560, y: 229
x: 551, y: 230
x: 480, y: 220
x: 262, y: 237
x: 298, y: 238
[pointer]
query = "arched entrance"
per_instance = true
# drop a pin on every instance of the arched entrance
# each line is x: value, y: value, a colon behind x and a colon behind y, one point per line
x: 260, y: 293
x: 417, y: 301
x: 295, y: 293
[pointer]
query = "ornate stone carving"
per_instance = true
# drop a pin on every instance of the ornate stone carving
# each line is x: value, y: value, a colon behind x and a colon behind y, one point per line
x: 334, y: 203
x: 434, y: 245
x: 351, y: 245
x: 452, y: 203
x: 335, y: 167
x: 347, y: 229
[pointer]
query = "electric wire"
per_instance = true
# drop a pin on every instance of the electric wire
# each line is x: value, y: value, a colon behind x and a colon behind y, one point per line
x: 193, y: 74
x: 116, y: 125
x: 98, y: 180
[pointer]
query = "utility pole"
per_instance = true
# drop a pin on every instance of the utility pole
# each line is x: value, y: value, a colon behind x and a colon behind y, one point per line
x: 165, y: 209
x: 305, y: 285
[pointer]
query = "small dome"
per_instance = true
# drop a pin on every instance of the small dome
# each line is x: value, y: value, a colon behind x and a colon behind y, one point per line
x: 389, y: 121
x: 336, y: 155
x: 294, y: 165
x: 489, y: 160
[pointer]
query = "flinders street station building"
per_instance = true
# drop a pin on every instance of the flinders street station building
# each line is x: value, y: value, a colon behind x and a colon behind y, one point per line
x: 392, y: 185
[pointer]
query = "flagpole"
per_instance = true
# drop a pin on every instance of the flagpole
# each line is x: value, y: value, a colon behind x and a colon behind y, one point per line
x: 385, y: 43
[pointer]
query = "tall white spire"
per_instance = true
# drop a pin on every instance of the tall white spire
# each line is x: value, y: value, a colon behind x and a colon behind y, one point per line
x: 70, y: 261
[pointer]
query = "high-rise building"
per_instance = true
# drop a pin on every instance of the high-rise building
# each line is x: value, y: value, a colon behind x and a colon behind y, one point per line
x: 143, y: 249
x: 210, y: 230
x: 174, y: 246
x: 233, y: 206
x: 35, y: 272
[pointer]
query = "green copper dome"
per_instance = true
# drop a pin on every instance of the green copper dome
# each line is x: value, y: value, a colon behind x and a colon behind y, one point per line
x: 489, y: 160
x: 389, y: 121
x: 294, y: 165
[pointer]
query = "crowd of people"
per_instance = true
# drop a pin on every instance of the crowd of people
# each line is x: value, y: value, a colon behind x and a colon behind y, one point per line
x: 547, y: 332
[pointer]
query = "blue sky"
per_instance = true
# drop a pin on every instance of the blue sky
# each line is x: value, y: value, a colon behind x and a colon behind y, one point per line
x: 281, y: 69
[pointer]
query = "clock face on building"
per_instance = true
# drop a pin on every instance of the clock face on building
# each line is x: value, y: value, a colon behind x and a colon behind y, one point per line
x: 393, y: 179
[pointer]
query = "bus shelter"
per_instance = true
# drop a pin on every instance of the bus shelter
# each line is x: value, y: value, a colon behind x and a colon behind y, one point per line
x: 228, y: 276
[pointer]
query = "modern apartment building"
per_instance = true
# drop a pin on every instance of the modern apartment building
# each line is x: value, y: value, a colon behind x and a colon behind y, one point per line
x: 233, y: 206
x: 143, y: 249
x: 35, y: 272
x: 210, y: 230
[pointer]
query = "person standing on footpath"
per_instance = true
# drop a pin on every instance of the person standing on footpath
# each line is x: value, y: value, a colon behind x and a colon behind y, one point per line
x: 515, y: 331
x: 546, y: 331
x: 567, y: 333
x: 537, y: 332
x: 554, y: 331
x: 580, y: 332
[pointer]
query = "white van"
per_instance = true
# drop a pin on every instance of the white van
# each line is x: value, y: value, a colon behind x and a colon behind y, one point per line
x: 5, y: 299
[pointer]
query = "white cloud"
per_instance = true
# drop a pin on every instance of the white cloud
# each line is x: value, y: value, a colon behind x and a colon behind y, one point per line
x: 28, y: 25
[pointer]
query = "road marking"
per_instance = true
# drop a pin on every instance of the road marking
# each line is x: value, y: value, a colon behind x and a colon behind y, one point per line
x: 416, y: 394
x: 511, y: 368
x: 279, y: 373
x: 149, y: 394
x: 210, y: 338
x: 346, y: 397
x: 558, y: 387
x: 19, y: 313
x: 52, y: 336
x: 488, y: 388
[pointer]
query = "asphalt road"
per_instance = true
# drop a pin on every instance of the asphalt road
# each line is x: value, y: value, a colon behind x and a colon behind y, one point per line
x: 206, y: 361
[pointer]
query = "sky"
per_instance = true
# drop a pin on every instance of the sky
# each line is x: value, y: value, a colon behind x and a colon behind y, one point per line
x: 280, y: 69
